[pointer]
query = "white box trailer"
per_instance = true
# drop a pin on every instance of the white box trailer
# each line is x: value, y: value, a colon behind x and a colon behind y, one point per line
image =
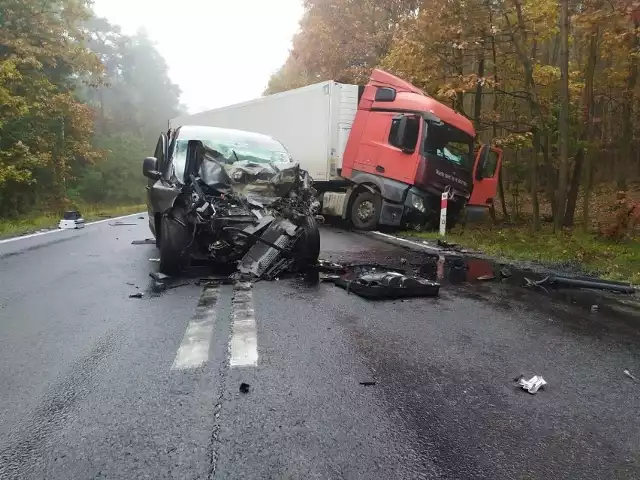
x: 312, y: 122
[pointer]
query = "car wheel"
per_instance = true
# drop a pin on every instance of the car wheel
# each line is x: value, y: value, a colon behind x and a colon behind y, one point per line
x: 307, y: 249
x: 175, y: 238
x: 365, y: 211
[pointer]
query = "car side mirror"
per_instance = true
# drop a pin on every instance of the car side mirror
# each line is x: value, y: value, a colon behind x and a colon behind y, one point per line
x: 150, y: 168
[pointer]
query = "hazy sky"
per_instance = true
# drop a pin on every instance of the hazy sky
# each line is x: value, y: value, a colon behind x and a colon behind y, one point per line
x: 219, y: 52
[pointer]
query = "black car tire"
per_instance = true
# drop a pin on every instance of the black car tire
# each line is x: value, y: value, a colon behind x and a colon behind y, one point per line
x: 372, y: 222
x: 175, y: 238
x: 307, y: 249
x: 157, y: 232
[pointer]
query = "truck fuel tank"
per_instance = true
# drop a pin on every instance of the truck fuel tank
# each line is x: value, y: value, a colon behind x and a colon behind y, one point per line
x: 334, y: 204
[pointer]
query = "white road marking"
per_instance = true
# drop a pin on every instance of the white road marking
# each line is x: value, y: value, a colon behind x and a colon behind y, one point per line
x: 244, y: 337
x: 48, y: 232
x: 194, y: 349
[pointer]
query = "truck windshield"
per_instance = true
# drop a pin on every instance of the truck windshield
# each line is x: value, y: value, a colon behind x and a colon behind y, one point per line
x: 449, y: 143
x: 234, y: 148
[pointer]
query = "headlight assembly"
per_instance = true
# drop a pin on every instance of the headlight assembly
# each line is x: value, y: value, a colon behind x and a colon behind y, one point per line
x: 417, y: 203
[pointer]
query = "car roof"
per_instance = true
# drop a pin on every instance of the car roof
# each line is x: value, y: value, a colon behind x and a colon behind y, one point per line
x: 195, y: 132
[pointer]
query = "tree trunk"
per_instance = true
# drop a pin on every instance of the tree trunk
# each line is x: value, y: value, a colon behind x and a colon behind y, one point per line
x: 572, y: 199
x: 494, y: 129
x: 533, y: 188
x: 477, y: 106
x: 535, y: 223
x: 586, y: 199
x: 551, y: 184
x: 627, y: 113
x: 584, y: 161
x: 503, y: 200
x: 563, y: 120
x: 101, y: 127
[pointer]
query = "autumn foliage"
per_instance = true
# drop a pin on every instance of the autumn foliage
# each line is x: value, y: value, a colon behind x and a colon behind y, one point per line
x: 624, y: 219
x: 500, y: 63
x: 69, y: 82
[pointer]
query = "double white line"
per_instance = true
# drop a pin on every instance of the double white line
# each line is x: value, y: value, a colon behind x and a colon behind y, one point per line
x: 194, y: 349
x: 243, y: 346
x: 244, y: 338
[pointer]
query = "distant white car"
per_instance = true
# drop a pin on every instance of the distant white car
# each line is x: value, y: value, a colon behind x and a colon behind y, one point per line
x: 71, y: 220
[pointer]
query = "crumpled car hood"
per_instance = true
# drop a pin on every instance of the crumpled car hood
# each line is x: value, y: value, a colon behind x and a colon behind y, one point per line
x: 261, y: 182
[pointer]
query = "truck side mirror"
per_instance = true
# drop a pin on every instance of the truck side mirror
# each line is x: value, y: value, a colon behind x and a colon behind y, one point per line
x: 398, y: 141
x: 150, y: 168
x: 407, y: 135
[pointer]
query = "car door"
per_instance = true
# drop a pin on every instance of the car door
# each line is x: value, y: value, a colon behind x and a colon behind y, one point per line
x: 161, y: 156
x: 485, y: 175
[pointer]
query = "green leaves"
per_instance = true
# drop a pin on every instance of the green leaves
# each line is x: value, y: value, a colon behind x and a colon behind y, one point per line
x: 63, y: 75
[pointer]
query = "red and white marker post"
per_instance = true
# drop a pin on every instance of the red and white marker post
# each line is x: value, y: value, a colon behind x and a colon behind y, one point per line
x: 444, y: 199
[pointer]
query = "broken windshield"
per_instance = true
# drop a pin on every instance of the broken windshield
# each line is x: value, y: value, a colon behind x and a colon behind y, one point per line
x: 449, y: 143
x: 234, y: 147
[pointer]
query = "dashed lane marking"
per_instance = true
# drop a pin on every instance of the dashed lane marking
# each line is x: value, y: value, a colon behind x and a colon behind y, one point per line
x: 244, y: 338
x: 194, y: 349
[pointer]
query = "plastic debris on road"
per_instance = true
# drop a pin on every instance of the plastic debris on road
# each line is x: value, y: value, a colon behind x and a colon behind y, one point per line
x: 485, y: 278
x: 147, y: 241
x: 326, y: 266
x: 558, y: 281
x: 159, y: 277
x: 532, y: 385
x: 122, y: 224
x: 387, y: 284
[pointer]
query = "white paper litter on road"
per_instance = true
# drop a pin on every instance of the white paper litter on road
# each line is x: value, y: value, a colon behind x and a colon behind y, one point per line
x: 533, y: 384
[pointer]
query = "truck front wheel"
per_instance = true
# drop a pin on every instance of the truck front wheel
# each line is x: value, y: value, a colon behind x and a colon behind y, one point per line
x: 365, y: 211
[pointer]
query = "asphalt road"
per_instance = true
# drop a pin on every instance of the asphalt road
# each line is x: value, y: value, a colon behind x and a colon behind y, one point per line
x: 95, y: 384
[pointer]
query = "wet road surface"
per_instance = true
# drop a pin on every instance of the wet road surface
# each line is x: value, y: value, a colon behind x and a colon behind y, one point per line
x: 99, y: 385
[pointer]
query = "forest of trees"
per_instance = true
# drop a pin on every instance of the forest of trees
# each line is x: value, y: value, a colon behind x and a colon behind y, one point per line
x: 554, y: 82
x: 81, y: 104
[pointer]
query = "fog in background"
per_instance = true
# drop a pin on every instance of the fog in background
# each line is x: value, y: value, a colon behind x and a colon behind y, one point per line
x: 218, y: 52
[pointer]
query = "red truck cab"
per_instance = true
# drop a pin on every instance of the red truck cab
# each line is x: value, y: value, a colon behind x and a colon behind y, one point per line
x: 406, y: 149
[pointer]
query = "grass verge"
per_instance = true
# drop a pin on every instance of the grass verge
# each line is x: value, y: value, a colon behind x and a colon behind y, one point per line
x: 31, y: 223
x: 615, y: 261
